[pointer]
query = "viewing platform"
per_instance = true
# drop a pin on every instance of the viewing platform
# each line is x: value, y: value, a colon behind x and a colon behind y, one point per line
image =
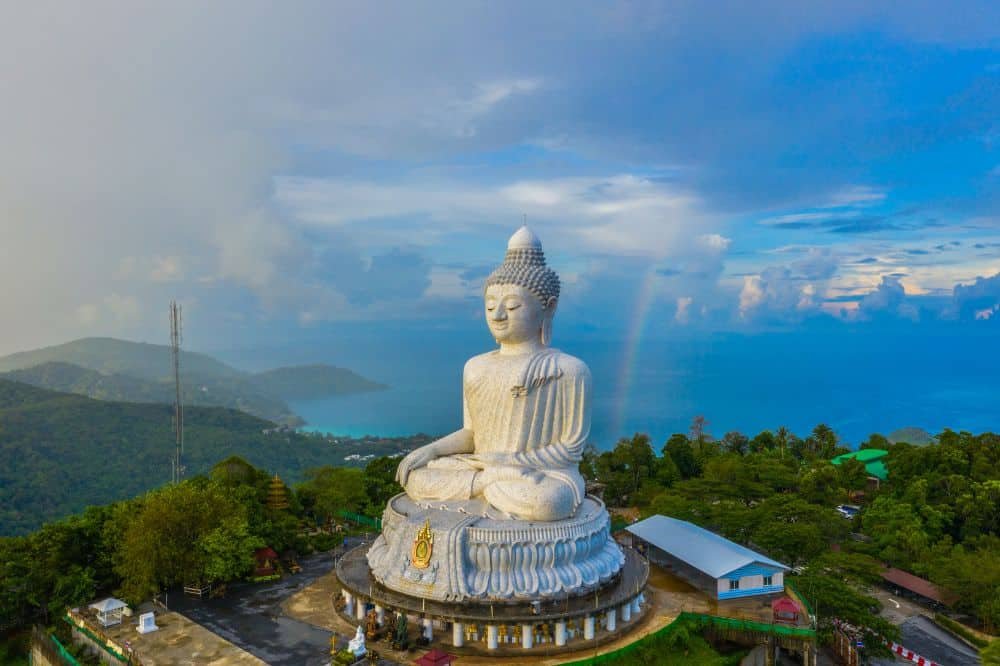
x: 546, y: 626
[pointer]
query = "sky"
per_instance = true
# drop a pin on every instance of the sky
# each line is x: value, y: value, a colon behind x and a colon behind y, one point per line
x: 288, y: 169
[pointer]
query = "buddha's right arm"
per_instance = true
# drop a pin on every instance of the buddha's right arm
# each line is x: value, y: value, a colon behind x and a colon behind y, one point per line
x: 460, y: 441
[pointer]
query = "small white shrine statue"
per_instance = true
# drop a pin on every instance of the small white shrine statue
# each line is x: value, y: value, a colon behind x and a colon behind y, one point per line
x: 356, y: 645
x: 526, y: 406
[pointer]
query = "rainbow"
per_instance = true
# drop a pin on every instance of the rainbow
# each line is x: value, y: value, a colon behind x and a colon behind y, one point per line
x: 645, y: 296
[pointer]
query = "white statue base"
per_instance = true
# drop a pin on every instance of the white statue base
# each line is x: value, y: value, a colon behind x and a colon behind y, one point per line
x: 477, y: 555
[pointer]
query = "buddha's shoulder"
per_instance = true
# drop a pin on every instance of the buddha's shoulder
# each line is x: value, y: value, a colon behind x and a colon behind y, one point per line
x: 479, y: 363
x: 571, y: 366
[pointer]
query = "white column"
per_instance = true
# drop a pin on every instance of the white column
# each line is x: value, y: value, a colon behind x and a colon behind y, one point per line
x: 636, y: 607
x: 626, y: 612
x: 428, y: 628
x: 360, y: 609
x: 612, y: 619
x: 348, y: 602
x: 561, y: 632
x: 527, y: 635
x: 491, y: 637
x: 588, y: 627
x: 379, y: 615
x: 457, y: 634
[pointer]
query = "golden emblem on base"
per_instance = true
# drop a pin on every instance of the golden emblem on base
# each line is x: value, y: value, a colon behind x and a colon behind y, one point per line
x: 423, y: 546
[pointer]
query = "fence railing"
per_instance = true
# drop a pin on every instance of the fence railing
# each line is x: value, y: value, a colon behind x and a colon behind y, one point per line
x: 50, y: 646
x: 99, y: 640
x: 361, y: 519
x: 703, y: 621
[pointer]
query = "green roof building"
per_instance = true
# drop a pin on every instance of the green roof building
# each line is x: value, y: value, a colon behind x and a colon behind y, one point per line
x: 873, y: 460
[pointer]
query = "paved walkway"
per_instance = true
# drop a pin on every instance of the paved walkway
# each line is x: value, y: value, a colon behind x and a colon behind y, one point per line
x: 251, y: 617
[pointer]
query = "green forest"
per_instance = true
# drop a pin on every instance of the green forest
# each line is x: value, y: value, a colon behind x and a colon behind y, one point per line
x: 66, y: 452
x: 937, y: 515
x: 204, y: 529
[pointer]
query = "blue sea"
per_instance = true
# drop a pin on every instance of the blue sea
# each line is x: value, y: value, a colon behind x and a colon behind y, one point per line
x: 855, y: 380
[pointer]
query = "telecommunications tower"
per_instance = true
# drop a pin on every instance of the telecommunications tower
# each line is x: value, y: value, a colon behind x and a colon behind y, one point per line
x: 175, y: 351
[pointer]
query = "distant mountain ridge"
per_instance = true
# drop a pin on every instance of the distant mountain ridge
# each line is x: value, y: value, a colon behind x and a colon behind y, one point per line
x: 111, y: 369
x: 305, y: 382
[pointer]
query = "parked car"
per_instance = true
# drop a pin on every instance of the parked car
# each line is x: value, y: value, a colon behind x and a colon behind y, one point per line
x: 848, y: 510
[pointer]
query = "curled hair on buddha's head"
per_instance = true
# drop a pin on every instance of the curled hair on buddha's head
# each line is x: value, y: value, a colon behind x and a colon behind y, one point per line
x: 524, y: 266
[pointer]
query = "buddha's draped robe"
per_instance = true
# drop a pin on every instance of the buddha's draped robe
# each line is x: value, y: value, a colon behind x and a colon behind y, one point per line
x: 534, y: 409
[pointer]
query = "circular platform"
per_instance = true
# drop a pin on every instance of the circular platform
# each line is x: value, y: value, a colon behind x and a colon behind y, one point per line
x: 602, y: 615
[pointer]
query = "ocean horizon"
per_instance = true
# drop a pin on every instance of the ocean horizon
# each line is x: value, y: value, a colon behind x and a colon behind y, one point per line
x: 853, y: 382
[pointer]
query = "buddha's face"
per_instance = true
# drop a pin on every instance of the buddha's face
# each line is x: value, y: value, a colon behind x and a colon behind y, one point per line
x: 514, y: 314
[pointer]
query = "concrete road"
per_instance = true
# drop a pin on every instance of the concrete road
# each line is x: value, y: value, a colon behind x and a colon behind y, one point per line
x: 921, y: 634
x: 898, y: 609
x: 929, y: 640
x: 250, y: 617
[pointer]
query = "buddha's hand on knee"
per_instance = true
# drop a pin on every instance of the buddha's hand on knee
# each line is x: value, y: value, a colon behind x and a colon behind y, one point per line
x: 489, y: 460
x: 414, y: 460
x: 491, y: 475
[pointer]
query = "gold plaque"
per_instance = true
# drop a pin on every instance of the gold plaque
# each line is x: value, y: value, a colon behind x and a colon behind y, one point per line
x: 423, y: 546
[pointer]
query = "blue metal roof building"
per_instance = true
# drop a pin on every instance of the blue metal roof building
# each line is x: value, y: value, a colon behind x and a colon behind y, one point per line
x: 722, y: 567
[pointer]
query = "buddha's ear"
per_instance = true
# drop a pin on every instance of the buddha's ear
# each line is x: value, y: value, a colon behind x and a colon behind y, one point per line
x: 550, y: 312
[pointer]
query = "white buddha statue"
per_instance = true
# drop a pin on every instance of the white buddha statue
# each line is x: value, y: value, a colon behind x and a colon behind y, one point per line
x: 526, y: 406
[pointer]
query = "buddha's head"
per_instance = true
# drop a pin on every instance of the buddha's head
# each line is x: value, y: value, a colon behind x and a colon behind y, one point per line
x: 522, y: 293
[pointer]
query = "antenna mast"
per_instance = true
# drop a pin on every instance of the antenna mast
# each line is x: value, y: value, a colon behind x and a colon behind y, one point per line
x: 175, y: 352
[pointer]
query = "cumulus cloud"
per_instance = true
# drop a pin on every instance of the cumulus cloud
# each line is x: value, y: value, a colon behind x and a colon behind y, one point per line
x: 887, y: 299
x: 789, y: 291
x: 977, y: 301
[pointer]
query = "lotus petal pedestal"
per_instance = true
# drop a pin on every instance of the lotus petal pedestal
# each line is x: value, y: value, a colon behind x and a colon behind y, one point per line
x: 459, y: 551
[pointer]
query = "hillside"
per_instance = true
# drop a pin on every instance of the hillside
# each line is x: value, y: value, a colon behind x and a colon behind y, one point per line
x: 231, y: 392
x: 112, y: 356
x: 63, y: 452
x: 109, y: 369
x: 306, y: 382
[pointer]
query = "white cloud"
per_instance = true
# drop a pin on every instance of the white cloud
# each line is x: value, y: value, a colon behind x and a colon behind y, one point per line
x: 888, y: 298
x: 788, y: 291
x: 856, y: 195
x: 622, y: 213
